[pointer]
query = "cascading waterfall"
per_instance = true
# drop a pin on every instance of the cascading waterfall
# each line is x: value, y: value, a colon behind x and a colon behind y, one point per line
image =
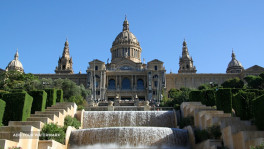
x: 133, y: 136
x: 98, y: 119
x: 128, y: 128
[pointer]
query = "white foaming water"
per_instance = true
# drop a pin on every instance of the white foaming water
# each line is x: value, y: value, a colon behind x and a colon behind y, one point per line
x: 97, y: 119
x: 115, y: 146
x: 130, y: 137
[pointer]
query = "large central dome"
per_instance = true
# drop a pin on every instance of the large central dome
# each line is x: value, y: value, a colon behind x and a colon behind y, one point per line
x: 126, y: 46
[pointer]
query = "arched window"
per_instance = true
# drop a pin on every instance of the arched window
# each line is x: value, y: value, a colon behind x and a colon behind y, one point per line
x: 96, y: 67
x: 140, y: 84
x: 126, y: 84
x: 97, y: 80
x: 156, y: 67
x: 111, y: 84
x: 187, y: 66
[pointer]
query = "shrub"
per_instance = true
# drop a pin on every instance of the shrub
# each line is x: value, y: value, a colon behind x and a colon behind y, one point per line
x: 224, y: 100
x: 2, y: 110
x: 233, y: 83
x: 52, y: 132
x: 200, y: 135
x: 256, y: 91
x: 59, y: 95
x: 258, y: 104
x: 261, y: 146
x: 70, y: 121
x: 51, y: 97
x: 17, y: 91
x: 208, y: 97
x: 18, y: 107
x: 195, y: 96
x: 242, y: 104
x: 186, y: 121
x: 39, y: 100
x: 214, y: 132
x: 2, y: 92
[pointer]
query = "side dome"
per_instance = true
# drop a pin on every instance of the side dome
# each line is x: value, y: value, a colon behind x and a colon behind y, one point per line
x: 234, y: 65
x: 15, y: 64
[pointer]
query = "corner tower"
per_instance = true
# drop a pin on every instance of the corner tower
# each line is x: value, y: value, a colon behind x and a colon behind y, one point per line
x: 65, y: 62
x: 126, y: 46
x: 186, y: 62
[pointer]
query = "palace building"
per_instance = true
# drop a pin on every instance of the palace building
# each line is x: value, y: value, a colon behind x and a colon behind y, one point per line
x: 127, y: 77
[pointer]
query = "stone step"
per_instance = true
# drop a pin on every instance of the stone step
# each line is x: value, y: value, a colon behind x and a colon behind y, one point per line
x: 50, y: 116
x: 7, y: 143
x: 44, y: 120
x: 242, y: 137
x: 36, y: 124
x: 67, y: 109
x: 222, y: 121
x: 254, y: 142
x: 57, y: 113
x: 62, y: 111
x: 207, y: 144
x: 14, y: 133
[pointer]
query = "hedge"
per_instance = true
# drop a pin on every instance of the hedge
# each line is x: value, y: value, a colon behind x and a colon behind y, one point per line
x: 258, y: 104
x: 242, y: 104
x: 256, y: 91
x: 2, y: 92
x: 208, y: 97
x: 51, y: 97
x: 195, y: 96
x: 39, y: 100
x: 2, y: 110
x: 59, y: 95
x: 18, y: 107
x: 224, y: 100
x: 17, y: 91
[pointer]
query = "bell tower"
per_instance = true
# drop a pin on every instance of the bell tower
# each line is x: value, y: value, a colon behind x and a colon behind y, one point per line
x: 186, y: 62
x: 65, y: 62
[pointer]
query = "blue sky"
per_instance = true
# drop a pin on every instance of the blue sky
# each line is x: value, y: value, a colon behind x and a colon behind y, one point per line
x: 211, y: 28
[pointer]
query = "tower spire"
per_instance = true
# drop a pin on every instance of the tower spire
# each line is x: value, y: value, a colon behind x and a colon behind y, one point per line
x: 16, y: 55
x: 233, y: 54
x: 125, y: 24
x: 186, y: 62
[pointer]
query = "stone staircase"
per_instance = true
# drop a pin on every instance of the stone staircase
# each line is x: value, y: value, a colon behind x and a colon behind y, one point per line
x: 236, y: 134
x: 25, y: 134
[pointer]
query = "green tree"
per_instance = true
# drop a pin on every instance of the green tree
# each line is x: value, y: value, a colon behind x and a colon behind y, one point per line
x: 17, y: 80
x: 255, y: 82
x: 233, y: 83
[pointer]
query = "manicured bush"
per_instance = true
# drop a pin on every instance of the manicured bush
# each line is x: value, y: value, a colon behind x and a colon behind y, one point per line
x: 59, y: 95
x: 2, y: 110
x: 195, y: 96
x: 208, y: 97
x: 52, y: 132
x: 17, y: 91
x: 51, y: 97
x: 2, y: 92
x: 71, y: 121
x: 258, y: 104
x: 224, y: 100
x: 256, y: 91
x: 242, y: 104
x: 186, y: 121
x: 39, y: 100
x: 18, y: 107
